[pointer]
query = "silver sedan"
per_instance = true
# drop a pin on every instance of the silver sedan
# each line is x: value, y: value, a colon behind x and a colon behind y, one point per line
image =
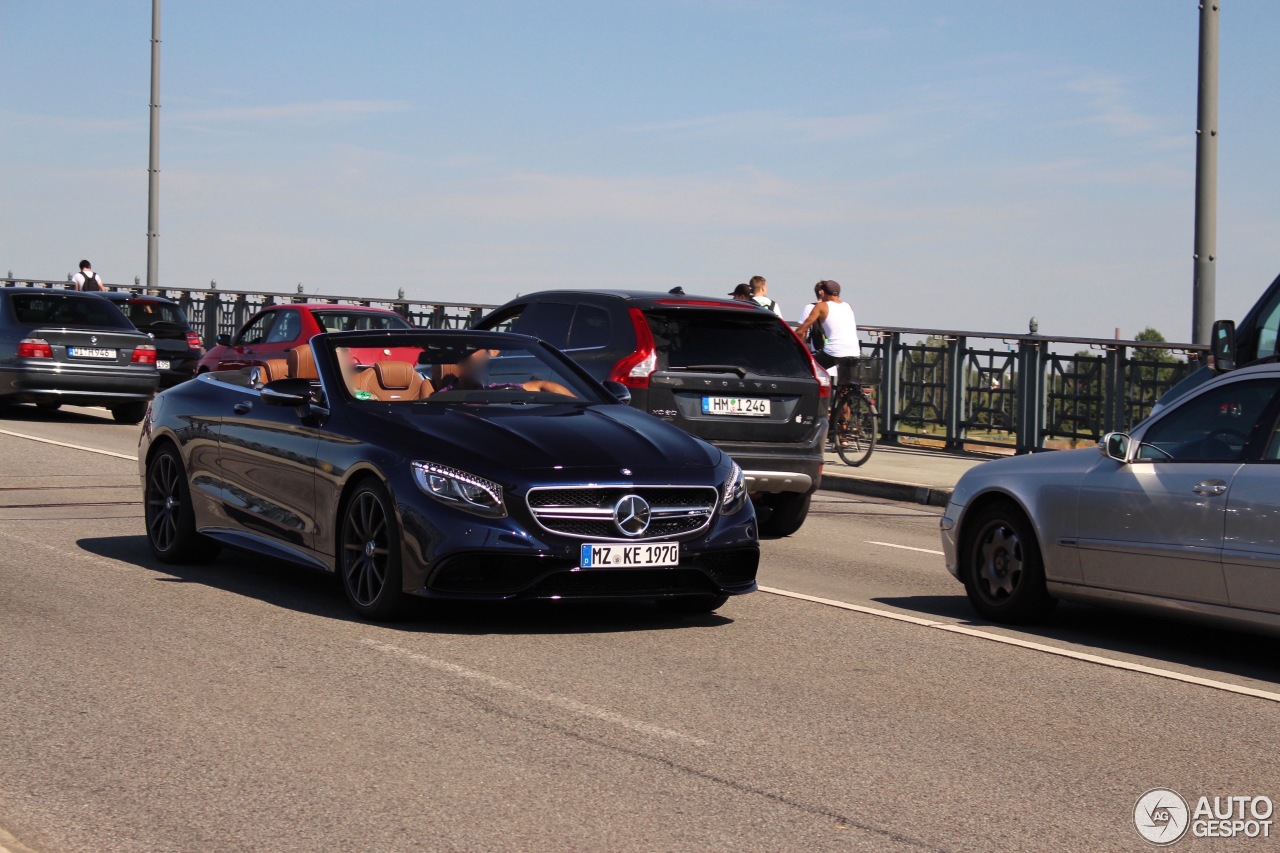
x: 1181, y: 517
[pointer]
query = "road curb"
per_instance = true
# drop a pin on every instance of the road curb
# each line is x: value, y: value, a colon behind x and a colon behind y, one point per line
x: 888, y: 489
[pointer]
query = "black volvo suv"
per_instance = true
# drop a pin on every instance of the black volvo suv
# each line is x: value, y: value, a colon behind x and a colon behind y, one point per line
x: 731, y: 373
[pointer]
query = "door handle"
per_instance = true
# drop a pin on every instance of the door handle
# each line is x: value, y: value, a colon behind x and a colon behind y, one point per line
x: 244, y: 408
x: 1210, y: 488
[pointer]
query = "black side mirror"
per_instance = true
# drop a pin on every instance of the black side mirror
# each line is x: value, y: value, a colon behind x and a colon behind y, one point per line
x: 222, y: 340
x: 618, y: 391
x: 1222, y: 346
x: 287, y: 392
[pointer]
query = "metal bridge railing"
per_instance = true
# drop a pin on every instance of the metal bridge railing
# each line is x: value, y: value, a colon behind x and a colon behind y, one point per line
x: 1024, y: 392
x: 1018, y: 391
x: 222, y: 312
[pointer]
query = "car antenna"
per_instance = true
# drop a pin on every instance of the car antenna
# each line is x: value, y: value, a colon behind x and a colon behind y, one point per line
x: 676, y: 291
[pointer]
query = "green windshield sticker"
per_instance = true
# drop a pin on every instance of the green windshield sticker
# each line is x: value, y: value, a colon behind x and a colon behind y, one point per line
x: 365, y: 395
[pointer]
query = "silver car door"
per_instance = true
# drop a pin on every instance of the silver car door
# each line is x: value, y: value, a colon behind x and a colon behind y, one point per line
x: 1155, y: 525
x: 1251, y: 544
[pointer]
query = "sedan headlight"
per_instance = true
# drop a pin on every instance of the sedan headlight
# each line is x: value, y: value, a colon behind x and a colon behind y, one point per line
x: 734, y: 491
x: 460, y: 489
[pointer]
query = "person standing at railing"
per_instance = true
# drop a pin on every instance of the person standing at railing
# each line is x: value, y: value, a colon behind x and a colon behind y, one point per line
x: 838, y: 325
x: 87, y: 279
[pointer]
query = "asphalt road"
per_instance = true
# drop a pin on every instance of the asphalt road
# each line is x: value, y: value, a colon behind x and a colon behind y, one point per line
x: 238, y: 706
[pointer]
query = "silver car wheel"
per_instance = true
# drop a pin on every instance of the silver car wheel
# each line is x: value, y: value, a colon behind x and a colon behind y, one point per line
x: 998, y: 552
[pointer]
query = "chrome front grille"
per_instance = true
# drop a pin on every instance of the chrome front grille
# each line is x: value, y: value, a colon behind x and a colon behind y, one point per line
x: 589, y: 512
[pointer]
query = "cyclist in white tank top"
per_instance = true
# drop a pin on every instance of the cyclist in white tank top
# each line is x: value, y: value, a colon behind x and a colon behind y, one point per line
x: 838, y: 325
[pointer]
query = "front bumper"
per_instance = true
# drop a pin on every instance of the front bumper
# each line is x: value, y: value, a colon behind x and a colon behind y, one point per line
x: 949, y: 528
x: 453, y: 555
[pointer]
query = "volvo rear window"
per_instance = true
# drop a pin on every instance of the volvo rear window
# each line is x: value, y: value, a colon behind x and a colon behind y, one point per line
x: 64, y: 309
x: 756, y: 342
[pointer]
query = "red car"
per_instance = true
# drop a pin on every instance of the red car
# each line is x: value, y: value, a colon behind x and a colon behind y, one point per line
x: 276, y: 329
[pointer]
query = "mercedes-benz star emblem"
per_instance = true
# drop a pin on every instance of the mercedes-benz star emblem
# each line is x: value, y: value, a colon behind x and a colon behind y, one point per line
x: 632, y: 515
x: 93, y: 339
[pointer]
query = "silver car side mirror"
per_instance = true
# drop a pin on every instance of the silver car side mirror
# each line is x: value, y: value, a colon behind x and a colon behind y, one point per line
x: 1115, y: 445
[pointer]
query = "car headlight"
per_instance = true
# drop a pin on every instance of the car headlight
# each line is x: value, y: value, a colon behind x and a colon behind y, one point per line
x: 734, y: 491
x: 460, y: 489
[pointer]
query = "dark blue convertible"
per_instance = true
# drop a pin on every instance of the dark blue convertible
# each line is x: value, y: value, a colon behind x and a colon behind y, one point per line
x: 488, y: 467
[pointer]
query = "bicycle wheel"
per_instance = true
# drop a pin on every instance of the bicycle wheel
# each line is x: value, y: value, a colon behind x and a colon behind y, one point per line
x: 856, y: 429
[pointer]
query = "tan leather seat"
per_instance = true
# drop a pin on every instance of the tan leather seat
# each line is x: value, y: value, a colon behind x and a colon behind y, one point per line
x: 441, y: 372
x: 273, y: 369
x: 302, y: 363
x: 393, y: 380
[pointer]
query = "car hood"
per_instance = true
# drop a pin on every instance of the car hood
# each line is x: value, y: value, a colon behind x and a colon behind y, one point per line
x: 545, y: 436
x: 1027, y: 473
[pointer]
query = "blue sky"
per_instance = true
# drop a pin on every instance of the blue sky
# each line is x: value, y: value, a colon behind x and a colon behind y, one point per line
x: 954, y: 165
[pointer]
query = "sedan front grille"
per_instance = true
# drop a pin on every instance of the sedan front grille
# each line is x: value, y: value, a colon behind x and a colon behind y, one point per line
x: 590, y: 512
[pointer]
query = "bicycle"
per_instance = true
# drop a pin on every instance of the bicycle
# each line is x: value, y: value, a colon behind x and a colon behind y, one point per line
x: 855, y: 420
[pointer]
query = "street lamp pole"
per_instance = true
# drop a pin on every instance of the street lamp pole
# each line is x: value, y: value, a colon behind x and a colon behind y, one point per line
x: 153, y: 168
x: 1206, y: 234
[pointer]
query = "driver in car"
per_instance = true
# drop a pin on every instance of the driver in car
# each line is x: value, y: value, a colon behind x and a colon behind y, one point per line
x: 473, y: 374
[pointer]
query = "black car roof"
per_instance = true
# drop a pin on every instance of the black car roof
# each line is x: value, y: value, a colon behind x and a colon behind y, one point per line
x: 123, y: 296
x: 643, y: 298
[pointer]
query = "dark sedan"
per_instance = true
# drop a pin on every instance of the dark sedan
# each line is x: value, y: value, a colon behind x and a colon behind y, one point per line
x: 489, y: 466
x: 60, y: 346
x: 178, y: 346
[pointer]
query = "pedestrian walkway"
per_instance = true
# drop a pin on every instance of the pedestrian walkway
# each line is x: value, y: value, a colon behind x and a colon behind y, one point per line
x: 921, y: 475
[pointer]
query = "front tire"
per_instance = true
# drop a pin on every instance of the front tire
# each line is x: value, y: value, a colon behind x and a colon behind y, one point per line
x: 785, y: 513
x: 129, y: 413
x: 1002, y: 568
x: 369, y: 554
x: 170, y: 518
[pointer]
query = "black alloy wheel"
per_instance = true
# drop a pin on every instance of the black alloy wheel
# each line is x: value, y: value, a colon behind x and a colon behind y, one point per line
x: 170, y: 519
x: 369, y: 553
x: 783, y: 513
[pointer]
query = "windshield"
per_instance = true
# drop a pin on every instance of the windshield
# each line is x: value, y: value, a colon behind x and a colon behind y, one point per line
x: 147, y: 312
x: 454, y: 367
x: 359, y: 321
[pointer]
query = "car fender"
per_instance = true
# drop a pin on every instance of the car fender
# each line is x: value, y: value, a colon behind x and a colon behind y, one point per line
x: 1050, y: 504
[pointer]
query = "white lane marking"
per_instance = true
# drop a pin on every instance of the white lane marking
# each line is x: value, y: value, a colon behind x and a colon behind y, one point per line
x: 9, y: 844
x: 555, y: 700
x: 904, y: 547
x: 953, y: 628
x: 72, y: 446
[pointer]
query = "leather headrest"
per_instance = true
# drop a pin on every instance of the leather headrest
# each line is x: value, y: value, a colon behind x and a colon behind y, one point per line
x: 302, y: 364
x: 273, y: 369
x: 395, y: 375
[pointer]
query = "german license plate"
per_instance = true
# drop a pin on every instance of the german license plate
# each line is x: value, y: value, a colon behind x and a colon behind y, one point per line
x: 753, y: 407
x: 620, y: 555
x: 162, y: 364
x: 90, y: 352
